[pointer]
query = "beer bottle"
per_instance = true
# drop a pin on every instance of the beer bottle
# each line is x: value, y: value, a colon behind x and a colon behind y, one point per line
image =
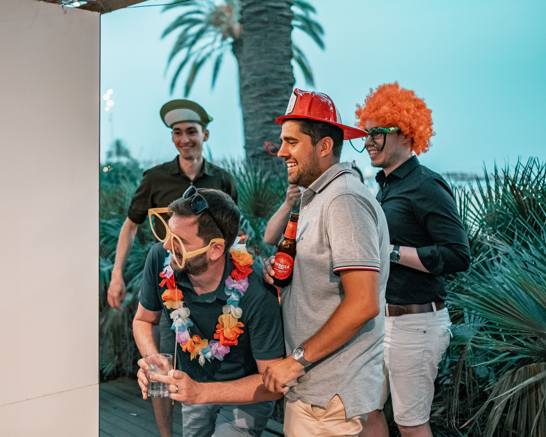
x: 284, y: 259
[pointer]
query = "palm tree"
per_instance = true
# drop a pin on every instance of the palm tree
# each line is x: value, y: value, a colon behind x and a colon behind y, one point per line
x: 258, y: 33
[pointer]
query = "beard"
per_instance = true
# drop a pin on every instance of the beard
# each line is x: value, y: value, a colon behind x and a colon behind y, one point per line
x: 194, y: 266
x: 308, y: 172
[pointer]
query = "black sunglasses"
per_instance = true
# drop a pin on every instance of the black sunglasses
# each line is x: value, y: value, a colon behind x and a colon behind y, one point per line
x: 198, y: 204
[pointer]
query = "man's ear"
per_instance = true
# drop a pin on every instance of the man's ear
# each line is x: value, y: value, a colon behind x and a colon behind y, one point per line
x: 326, y: 146
x: 407, y: 141
x: 217, y: 251
x: 205, y: 134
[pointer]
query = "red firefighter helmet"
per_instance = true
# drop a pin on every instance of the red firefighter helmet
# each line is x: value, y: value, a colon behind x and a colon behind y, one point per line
x: 320, y: 107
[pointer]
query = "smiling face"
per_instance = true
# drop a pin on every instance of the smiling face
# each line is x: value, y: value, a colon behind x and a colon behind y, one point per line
x: 302, y: 158
x: 185, y: 228
x: 396, y: 149
x: 189, y: 138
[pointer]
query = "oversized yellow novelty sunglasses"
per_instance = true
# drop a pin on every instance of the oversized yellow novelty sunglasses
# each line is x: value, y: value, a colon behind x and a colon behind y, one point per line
x: 168, y: 234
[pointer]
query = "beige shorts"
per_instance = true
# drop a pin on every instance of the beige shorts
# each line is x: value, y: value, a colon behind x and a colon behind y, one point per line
x: 304, y: 420
x: 414, y: 346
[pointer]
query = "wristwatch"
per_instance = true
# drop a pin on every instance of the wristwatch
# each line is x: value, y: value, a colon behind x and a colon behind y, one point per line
x: 395, y: 255
x: 298, y: 356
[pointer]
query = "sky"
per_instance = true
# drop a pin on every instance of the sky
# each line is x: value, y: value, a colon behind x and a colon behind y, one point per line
x: 480, y: 65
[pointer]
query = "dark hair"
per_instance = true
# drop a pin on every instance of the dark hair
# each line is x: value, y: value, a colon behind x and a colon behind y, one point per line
x: 221, y: 206
x: 201, y: 125
x: 318, y: 130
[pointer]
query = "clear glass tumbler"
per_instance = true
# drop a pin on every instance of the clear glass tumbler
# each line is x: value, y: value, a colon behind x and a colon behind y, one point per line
x: 159, y: 364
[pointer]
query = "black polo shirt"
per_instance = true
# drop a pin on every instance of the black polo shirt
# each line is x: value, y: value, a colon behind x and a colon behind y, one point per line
x: 165, y: 183
x: 262, y: 337
x: 421, y: 212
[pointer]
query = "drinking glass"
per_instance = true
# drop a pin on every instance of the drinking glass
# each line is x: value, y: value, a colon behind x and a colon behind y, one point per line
x: 159, y: 364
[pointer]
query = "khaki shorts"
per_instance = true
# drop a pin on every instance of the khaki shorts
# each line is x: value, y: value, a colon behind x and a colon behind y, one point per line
x: 414, y: 346
x: 304, y: 420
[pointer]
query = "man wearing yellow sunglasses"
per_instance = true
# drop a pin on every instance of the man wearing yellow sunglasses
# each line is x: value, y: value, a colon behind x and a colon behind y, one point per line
x: 221, y: 390
x: 159, y: 187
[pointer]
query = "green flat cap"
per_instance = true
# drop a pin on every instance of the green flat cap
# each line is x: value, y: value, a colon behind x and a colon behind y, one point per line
x: 184, y: 111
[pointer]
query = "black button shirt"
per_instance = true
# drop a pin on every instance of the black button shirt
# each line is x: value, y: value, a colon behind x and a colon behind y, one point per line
x: 421, y: 212
x: 165, y: 183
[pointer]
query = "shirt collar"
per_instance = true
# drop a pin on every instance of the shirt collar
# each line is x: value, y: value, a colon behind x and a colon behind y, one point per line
x: 329, y: 175
x: 184, y: 281
x: 206, y: 168
x: 401, y: 171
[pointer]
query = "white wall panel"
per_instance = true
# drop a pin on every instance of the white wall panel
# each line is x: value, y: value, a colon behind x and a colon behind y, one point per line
x: 49, y: 159
x: 73, y: 413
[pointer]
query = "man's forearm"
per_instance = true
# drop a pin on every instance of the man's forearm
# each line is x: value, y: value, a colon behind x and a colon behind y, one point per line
x: 146, y: 337
x: 361, y: 304
x: 410, y: 258
x: 341, y: 327
x: 126, y: 239
x: 276, y: 224
x: 248, y: 390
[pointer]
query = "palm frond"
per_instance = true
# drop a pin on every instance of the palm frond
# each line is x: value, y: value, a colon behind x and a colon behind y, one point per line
x: 179, y: 3
x: 309, y: 22
x: 178, y: 71
x: 505, y: 291
x: 187, y: 21
x: 216, y: 68
x: 197, y: 64
x: 299, y: 57
x: 304, y: 6
x: 109, y: 233
x: 305, y: 27
x: 519, y: 398
x: 187, y: 41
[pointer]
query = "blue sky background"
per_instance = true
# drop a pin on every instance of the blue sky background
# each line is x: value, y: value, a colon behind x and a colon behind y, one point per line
x: 479, y: 64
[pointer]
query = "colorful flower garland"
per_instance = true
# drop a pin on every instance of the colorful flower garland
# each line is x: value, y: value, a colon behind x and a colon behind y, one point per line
x: 229, y: 328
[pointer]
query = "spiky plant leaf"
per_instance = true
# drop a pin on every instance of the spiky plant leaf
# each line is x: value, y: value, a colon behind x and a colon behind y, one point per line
x: 216, y: 68
x: 505, y: 289
x: 299, y: 57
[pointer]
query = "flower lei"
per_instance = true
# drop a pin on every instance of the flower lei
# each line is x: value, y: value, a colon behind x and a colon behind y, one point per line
x: 228, y: 328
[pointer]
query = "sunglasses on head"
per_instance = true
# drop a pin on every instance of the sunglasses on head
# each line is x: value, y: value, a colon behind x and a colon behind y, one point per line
x: 198, y: 204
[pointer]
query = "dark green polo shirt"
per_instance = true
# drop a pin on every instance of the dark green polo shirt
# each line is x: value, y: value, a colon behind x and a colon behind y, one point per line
x: 262, y: 337
x: 165, y: 183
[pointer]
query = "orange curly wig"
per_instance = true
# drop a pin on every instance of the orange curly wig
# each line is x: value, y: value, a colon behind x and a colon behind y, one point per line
x: 391, y: 106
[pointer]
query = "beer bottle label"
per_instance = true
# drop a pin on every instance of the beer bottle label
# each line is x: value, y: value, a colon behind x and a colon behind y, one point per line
x: 283, y: 265
x: 291, y: 230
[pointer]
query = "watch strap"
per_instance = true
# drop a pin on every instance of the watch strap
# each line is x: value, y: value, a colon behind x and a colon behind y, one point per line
x: 299, y: 357
x: 395, y: 254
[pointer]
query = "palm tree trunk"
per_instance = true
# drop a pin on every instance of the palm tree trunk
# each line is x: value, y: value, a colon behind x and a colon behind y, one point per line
x: 266, y: 78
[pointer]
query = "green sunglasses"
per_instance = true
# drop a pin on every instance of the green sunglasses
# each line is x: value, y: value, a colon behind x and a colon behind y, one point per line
x: 375, y: 134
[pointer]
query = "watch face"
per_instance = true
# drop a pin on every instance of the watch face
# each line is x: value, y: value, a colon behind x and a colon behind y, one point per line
x: 298, y: 353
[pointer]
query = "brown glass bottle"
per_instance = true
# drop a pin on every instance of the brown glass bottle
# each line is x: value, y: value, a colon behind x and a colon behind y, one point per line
x: 286, y: 253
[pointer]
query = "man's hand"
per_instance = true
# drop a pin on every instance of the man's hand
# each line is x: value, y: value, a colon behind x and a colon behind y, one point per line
x: 142, y: 378
x: 116, y: 292
x: 183, y: 389
x: 293, y: 195
x: 279, y: 375
x: 268, y: 271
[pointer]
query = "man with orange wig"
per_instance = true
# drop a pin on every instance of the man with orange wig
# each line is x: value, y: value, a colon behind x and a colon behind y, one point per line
x: 428, y: 241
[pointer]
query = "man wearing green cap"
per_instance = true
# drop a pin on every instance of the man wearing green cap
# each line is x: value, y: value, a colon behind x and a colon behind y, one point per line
x: 160, y: 186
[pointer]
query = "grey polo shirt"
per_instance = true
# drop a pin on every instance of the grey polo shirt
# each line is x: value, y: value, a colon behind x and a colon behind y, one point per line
x: 341, y: 227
